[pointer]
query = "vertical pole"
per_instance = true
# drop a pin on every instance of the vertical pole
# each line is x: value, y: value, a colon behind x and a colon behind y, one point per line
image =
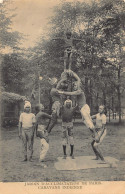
x: 112, y: 107
x: 39, y: 91
x: 109, y: 113
x: 39, y: 86
x: 119, y: 94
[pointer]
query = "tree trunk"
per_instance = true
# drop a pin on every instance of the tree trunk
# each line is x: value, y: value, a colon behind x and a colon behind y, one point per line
x: 91, y: 97
x: 86, y: 90
x: 104, y: 98
x: 112, y: 107
x: 119, y: 95
x: 109, y: 114
x: 119, y: 104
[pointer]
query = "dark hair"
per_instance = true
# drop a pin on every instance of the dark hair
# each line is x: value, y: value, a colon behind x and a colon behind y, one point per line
x: 105, y: 109
x: 79, y: 84
x: 68, y: 33
x: 64, y: 85
x: 102, y: 105
x: 37, y: 108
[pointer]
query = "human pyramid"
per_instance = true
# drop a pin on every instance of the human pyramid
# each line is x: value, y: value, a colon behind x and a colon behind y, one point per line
x: 67, y: 96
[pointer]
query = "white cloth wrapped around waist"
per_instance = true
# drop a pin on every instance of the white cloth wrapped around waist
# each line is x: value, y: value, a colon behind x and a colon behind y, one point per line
x: 99, y: 128
x: 42, y: 133
x: 65, y: 124
x: 27, y: 128
x: 41, y: 128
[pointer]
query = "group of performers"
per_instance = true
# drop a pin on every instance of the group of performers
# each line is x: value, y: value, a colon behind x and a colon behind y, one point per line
x: 64, y: 103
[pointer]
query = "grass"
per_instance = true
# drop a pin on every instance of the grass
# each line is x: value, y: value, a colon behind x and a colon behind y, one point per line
x: 14, y: 170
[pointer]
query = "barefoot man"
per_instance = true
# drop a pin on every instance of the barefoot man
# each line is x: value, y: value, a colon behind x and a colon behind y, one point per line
x: 101, y: 132
x: 67, y: 126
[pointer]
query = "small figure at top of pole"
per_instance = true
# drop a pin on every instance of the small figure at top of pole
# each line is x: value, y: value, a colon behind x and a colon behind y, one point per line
x: 68, y: 48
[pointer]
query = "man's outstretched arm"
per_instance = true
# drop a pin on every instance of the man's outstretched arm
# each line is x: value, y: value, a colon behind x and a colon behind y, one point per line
x: 59, y: 84
x: 75, y: 108
x: 93, y: 116
x: 73, y: 74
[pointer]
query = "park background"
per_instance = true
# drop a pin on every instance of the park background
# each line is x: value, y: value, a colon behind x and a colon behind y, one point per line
x: 28, y: 52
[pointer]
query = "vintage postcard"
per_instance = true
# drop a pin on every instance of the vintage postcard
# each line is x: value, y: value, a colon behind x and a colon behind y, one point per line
x: 62, y: 96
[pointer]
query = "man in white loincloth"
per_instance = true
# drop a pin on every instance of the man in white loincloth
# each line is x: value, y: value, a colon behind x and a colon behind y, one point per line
x: 101, y: 132
x: 41, y: 131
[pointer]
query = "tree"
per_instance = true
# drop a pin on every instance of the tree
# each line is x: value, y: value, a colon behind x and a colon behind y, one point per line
x: 13, y: 72
x: 113, y: 31
x: 12, y: 69
x: 100, y: 25
x: 7, y: 37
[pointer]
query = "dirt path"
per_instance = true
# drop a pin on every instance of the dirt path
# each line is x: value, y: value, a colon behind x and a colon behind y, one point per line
x: 14, y: 170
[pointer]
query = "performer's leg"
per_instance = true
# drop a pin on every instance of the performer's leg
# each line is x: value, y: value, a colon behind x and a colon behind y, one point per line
x: 72, y: 147
x: 44, y: 149
x: 96, y: 145
x: 58, y: 106
x: 95, y: 151
x: 30, y: 143
x: 52, y: 122
x: 70, y: 60
x: 64, y: 151
x: 55, y: 114
x: 64, y: 76
x: 71, y: 140
x: 85, y: 112
x: 64, y: 141
x: 65, y: 59
x: 24, y: 141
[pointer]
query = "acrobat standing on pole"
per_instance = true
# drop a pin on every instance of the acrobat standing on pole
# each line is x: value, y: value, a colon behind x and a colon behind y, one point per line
x: 68, y: 48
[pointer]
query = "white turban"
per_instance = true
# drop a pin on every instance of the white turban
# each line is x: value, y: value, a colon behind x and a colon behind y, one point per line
x: 69, y: 101
x: 27, y: 104
x: 53, y: 80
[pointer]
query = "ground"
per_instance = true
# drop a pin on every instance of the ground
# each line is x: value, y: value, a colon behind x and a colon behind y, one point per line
x: 14, y: 170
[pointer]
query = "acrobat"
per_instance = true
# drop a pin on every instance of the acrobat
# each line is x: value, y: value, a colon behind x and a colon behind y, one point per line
x: 101, y: 132
x: 41, y: 132
x: 56, y: 100
x: 68, y: 40
x: 81, y: 101
x: 67, y: 126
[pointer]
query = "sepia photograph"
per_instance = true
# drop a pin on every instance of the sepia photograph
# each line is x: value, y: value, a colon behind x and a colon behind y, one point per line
x: 62, y: 93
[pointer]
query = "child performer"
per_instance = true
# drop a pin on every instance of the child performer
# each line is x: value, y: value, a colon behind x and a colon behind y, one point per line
x: 41, y: 132
x: 67, y: 126
x: 26, y: 129
x: 101, y: 132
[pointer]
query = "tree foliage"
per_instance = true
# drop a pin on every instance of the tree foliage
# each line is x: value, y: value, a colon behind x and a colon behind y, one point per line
x: 7, y: 37
x: 12, y: 64
x: 98, y: 58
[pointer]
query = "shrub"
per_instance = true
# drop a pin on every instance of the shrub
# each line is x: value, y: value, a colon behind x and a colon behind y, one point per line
x: 10, y: 121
